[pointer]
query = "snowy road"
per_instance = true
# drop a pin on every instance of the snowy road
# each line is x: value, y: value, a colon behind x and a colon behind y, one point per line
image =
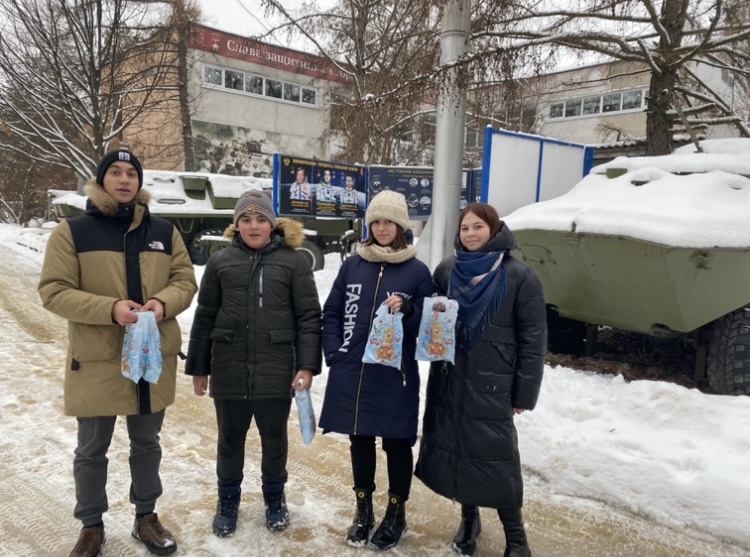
x: 37, y: 495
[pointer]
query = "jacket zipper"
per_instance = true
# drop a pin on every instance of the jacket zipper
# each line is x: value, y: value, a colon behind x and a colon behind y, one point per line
x: 254, y: 341
x: 362, y: 368
x: 125, y: 256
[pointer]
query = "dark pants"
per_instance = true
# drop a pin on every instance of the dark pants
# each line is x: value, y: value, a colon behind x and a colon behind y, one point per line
x: 233, y: 417
x: 399, y: 458
x: 90, y: 464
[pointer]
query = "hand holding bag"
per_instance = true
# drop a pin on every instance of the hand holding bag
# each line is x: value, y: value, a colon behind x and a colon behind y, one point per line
x: 385, y: 342
x: 141, y: 350
x: 437, y: 330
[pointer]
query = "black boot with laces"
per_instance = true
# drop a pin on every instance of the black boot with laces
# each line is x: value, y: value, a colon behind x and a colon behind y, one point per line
x: 227, y: 507
x: 364, y: 520
x: 393, y: 525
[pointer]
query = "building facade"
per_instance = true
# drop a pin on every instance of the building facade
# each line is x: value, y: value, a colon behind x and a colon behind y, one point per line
x: 249, y: 100
x: 605, y: 105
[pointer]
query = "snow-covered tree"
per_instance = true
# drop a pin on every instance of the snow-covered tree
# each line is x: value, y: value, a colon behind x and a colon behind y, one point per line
x: 382, y: 115
x: 672, y: 39
x: 76, y: 74
x: 516, y: 39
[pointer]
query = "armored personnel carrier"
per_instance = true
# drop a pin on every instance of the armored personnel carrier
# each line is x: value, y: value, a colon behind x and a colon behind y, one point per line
x: 655, y: 245
x: 201, y: 206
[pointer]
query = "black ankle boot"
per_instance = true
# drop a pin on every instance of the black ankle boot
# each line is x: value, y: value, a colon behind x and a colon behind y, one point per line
x: 515, y: 534
x: 364, y: 520
x: 465, y: 541
x: 393, y: 525
x: 225, y: 519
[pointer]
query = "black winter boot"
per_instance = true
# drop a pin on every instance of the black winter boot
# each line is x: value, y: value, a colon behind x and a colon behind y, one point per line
x: 277, y: 514
x: 364, y: 520
x: 225, y: 519
x: 393, y: 525
x: 465, y: 541
x: 515, y: 534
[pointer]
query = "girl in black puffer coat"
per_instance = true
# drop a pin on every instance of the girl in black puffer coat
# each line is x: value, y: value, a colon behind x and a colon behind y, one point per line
x: 369, y: 400
x: 469, y: 447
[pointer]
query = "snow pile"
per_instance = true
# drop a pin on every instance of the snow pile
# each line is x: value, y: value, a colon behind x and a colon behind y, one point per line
x: 168, y: 194
x: 650, y: 202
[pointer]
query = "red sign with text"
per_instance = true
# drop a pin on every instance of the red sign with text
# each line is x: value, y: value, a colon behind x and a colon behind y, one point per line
x: 234, y: 46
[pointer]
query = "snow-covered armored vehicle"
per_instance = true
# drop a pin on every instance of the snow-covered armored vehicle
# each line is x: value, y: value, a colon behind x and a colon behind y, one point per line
x: 201, y: 206
x: 655, y: 245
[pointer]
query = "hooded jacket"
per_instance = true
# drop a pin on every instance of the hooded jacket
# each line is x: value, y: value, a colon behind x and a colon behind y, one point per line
x: 114, y: 253
x: 258, y: 317
x: 371, y: 399
x: 469, y: 446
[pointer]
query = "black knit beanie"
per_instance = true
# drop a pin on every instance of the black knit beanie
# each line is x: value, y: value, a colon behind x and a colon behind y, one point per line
x: 118, y: 155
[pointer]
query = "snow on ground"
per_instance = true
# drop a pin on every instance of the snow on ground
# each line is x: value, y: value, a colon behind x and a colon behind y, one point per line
x: 656, y: 449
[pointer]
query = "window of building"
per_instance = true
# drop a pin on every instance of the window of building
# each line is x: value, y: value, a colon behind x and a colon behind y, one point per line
x: 291, y: 92
x: 254, y: 84
x: 591, y: 105
x: 588, y: 106
x: 234, y: 80
x: 212, y: 76
x: 572, y: 108
x: 242, y: 82
x: 611, y: 102
x: 473, y: 138
x: 273, y: 89
x: 631, y: 100
x: 308, y: 96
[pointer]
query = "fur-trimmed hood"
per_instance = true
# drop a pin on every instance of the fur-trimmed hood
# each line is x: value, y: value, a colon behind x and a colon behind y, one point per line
x: 105, y: 203
x: 291, y: 231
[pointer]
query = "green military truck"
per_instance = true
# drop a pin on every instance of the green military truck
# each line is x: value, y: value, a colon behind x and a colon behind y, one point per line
x: 655, y: 245
x: 201, y: 206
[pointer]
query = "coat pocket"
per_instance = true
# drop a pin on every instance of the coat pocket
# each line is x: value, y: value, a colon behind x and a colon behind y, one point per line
x: 221, y: 335
x: 282, y: 336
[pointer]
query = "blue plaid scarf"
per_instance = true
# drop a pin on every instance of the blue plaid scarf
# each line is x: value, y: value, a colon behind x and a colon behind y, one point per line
x: 479, y: 283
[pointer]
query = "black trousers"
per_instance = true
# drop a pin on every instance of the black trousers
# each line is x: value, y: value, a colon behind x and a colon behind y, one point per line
x: 399, y: 458
x: 233, y: 417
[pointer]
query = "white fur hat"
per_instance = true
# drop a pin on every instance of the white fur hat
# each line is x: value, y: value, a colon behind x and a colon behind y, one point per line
x: 388, y: 205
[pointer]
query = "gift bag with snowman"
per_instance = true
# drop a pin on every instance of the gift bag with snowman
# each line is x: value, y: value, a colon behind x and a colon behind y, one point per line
x: 384, y: 344
x: 437, y: 330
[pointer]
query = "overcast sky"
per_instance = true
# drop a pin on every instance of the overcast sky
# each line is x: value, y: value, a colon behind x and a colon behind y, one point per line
x: 244, y: 17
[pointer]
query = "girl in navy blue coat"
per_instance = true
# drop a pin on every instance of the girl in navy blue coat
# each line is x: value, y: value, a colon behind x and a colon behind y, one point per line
x: 367, y: 401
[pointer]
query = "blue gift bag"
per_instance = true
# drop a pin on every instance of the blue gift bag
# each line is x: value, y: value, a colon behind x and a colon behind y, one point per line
x: 437, y: 331
x: 306, y: 415
x: 386, y: 338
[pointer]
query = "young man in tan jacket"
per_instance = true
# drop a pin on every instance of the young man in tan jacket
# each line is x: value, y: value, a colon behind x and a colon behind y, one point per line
x: 101, y: 271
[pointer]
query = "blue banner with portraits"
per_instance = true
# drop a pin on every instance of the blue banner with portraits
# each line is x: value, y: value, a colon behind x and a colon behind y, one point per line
x: 314, y: 188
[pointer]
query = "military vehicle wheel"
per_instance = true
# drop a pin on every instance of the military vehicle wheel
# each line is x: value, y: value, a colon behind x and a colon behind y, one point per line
x: 200, y: 251
x: 563, y: 334
x: 314, y: 254
x: 728, y: 360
